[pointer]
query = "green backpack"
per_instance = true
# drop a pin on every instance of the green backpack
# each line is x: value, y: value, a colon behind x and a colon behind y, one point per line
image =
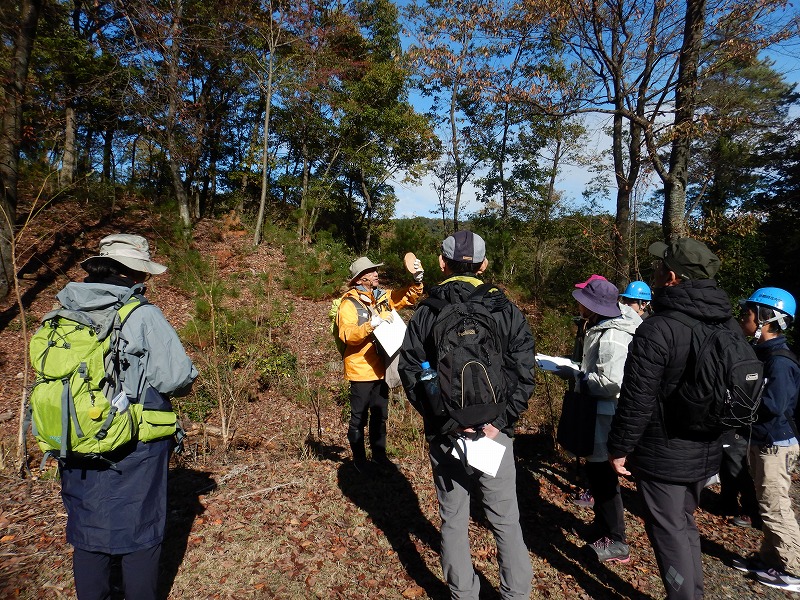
x: 77, y: 404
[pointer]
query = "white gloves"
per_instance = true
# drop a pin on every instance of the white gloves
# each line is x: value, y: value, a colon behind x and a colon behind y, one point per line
x: 419, y: 272
x: 375, y: 321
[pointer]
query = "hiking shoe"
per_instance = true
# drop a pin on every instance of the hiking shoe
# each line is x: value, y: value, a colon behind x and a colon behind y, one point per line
x: 608, y: 550
x: 742, y: 521
x: 749, y: 564
x: 778, y: 579
x: 584, y: 499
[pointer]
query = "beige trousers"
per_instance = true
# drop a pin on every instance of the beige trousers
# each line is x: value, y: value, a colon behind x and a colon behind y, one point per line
x: 771, y: 469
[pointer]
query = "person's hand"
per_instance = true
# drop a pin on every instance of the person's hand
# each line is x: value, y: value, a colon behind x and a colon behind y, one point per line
x: 419, y: 272
x: 490, y: 431
x: 565, y: 372
x: 618, y: 464
x: 375, y: 321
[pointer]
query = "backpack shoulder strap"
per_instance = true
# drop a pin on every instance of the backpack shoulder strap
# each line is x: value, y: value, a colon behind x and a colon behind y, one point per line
x: 786, y: 353
x: 132, y: 304
x: 480, y: 292
x: 436, y: 304
x: 356, y: 302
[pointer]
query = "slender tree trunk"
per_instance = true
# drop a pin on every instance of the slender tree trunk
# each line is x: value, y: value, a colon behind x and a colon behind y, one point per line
x: 457, y: 164
x: 623, y: 211
x: 551, y: 182
x: 12, y: 95
x: 134, y: 144
x: 302, y: 226
x: 368, y: 220
x: 262, y: 204
x: 67, y: 174
x: 247, y: 158
x: 108, y: 142
x: 172, y: 147
x: 674, y: 221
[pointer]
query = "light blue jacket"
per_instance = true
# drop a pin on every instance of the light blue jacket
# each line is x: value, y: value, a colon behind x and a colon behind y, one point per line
x: 150, y: 352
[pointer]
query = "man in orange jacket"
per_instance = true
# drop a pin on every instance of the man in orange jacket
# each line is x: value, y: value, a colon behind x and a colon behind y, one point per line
x: 365, y: 307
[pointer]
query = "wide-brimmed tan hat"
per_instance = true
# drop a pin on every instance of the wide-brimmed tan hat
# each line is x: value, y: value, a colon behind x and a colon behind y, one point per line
x: 359, y: 266
x: 133, y: 251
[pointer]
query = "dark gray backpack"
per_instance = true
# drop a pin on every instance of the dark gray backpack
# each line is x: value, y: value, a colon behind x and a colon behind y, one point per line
x: 722, y: 385
x: 469, y: 361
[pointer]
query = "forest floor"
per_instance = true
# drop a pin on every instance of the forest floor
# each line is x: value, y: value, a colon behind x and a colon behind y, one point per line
x: 282, y: 513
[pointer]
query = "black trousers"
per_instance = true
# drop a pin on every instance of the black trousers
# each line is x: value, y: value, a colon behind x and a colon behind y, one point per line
x: 92, y: 571
x: 736, y: 483
x: 609, y: 514
x: 671, y: 528
x: 369, y: 402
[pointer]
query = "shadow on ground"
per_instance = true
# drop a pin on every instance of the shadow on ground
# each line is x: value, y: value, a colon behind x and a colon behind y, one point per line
x: 544, y: 525
x: 390, y: 501
x: 184, y: 488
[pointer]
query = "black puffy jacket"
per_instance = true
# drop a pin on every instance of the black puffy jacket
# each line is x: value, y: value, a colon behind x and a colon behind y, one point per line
x: 656, y: 361
x: 519, y: 358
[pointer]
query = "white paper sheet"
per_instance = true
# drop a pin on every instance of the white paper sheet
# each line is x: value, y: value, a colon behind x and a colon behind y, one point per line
x: 390, y: 335
x: 483, y: 454
x: 552, y: 363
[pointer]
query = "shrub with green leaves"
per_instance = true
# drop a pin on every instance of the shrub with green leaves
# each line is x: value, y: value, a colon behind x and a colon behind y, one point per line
x: 317, y: 271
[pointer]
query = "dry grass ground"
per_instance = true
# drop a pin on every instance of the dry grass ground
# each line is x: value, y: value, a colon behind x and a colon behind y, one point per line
x: 282, y: 514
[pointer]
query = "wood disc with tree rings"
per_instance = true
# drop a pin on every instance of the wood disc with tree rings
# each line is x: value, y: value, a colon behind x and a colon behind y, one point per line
x: 408, y: 260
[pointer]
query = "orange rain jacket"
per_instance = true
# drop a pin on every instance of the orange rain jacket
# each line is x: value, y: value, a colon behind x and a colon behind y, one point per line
x: 362, y: 360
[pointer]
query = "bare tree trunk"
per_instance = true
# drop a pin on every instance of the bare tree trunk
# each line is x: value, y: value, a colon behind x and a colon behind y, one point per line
x: 262, y: 205
x: 673, y: 220
x: 303, y: 233
x: 457, y: 164
x: 67, y: 174
x: 12, y: 95
x: 174, y: 165
x: 551, y: 182
x: 134, y: 144
x: 108, y: 142
x: 368, y: 220
x: 623, y: 212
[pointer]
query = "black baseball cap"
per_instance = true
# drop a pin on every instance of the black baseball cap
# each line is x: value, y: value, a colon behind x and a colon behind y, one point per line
x: 687, y: 257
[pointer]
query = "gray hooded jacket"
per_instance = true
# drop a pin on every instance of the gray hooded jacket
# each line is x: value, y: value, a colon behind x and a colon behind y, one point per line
x: 150, y: 351
x: 605, y: 348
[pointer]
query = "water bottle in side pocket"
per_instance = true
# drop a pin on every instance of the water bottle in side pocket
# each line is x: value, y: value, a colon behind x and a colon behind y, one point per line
x: 430, y: 383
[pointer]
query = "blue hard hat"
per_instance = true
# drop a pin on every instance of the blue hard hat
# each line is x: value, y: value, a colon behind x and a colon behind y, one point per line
x: 774, y: 298
x: 637, y: 290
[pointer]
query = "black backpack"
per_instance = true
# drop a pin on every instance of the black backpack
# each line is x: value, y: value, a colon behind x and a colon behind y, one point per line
x: 469, y: 361
x: 722, y: 385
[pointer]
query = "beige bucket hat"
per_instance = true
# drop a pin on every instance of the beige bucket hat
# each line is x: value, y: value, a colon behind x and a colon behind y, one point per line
x: 133, y: 251
x: 359, y: 266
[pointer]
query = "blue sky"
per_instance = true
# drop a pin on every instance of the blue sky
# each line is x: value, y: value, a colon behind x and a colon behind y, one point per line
x: 420, y: 200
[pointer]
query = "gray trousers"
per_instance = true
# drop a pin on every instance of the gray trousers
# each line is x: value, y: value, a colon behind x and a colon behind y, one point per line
x: 499, y: 498
x: 670, y: 525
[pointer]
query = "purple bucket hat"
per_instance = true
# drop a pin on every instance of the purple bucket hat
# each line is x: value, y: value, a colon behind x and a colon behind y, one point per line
x: 592, y: 278
x: 599, y: 296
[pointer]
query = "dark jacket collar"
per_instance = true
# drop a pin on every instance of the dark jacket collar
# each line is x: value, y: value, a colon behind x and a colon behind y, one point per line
x: 698, y: 298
